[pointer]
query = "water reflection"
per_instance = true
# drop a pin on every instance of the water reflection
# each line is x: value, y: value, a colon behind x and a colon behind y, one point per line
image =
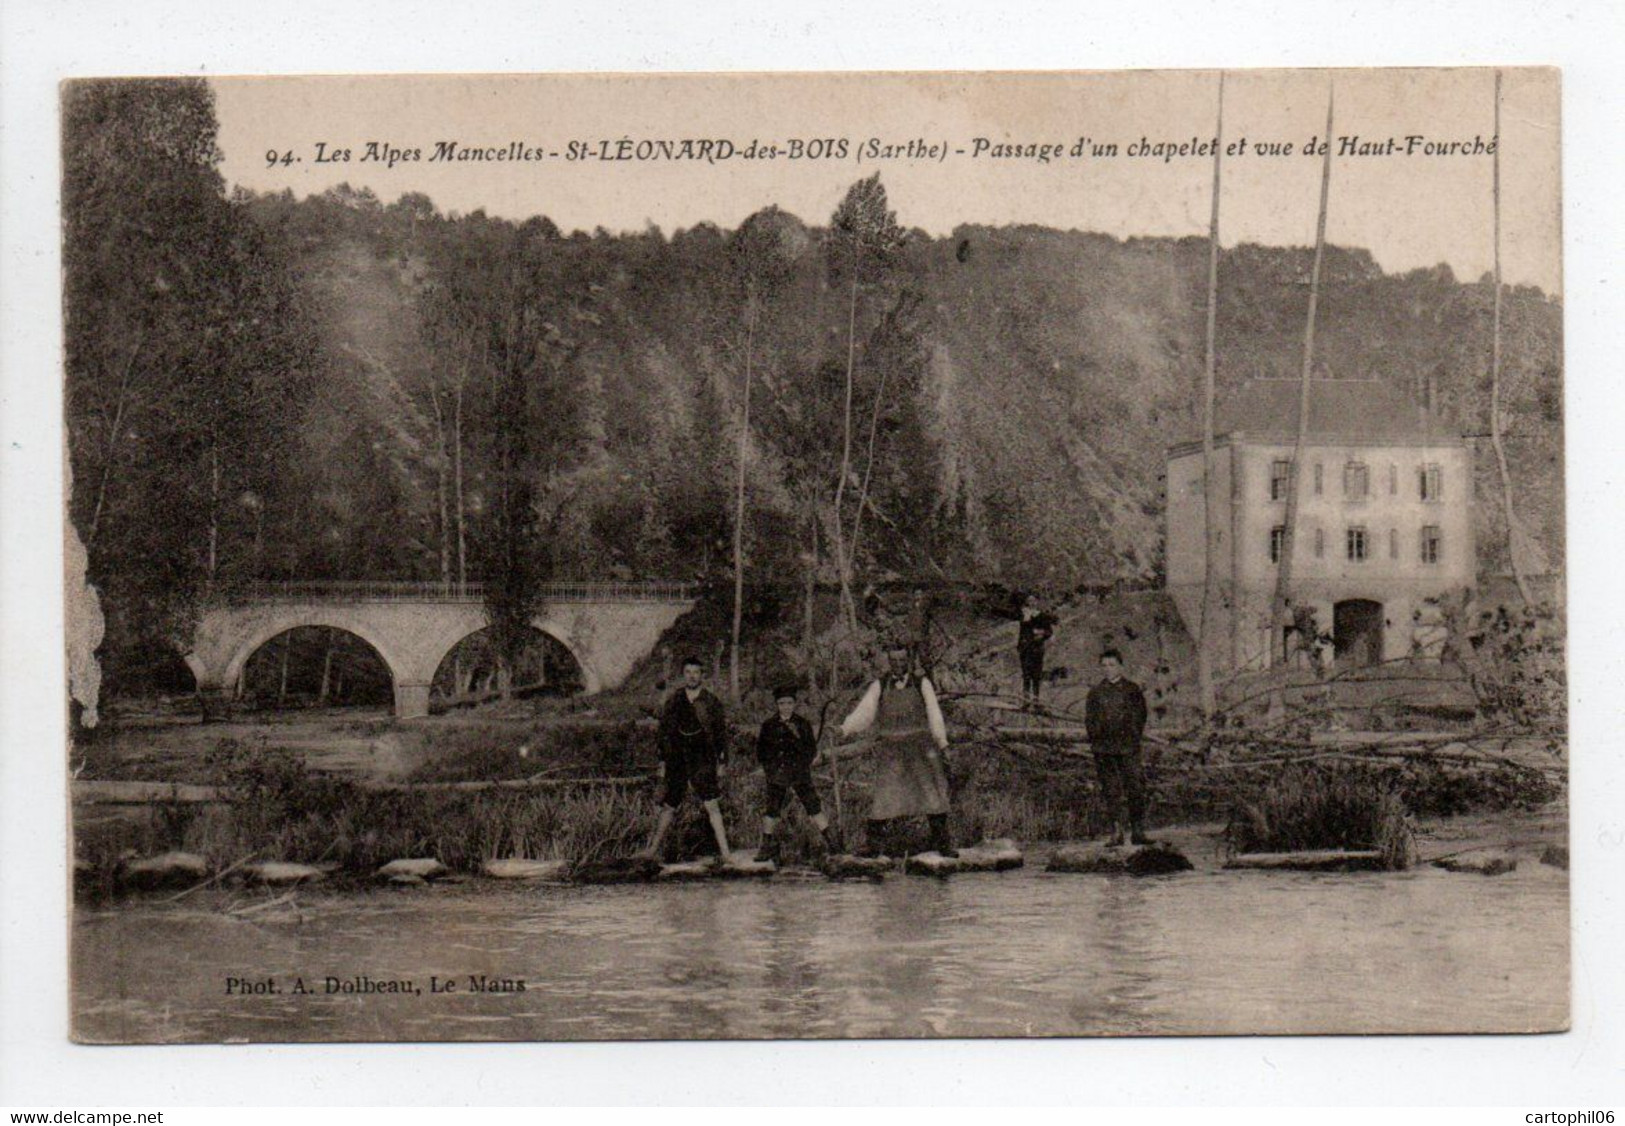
x: 1023, y: 953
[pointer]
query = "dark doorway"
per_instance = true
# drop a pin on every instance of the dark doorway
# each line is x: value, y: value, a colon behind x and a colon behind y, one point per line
x: 1357, y: 631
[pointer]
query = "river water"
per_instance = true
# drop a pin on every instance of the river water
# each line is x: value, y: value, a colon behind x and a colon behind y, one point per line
x: 1011, y: 954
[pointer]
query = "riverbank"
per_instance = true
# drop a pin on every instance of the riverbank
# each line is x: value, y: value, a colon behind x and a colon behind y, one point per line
x: 352, y: 796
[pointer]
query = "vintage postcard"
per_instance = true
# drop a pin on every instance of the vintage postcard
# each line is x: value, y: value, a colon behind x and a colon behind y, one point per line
x: 600, y: 557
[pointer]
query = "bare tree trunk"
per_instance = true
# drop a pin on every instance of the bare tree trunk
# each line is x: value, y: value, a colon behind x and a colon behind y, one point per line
x: 114, y: 430
x: 213, y: 515
x: 282, y: 682
x: 807, y: 632
x: 457, y: 475
x: 327, y: 668
x: 739, y: 511
x: 842, y: 562
x: 1210, y: 514
x: 1495, y: 373
x: 440, y: 472
x: 1283, y: 573
x: 869, y: 462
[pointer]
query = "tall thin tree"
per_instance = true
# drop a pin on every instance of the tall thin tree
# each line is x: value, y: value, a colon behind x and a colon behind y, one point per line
x: 739, y: 499
x: 1210, y: 515
x: 1514, y: 551
x: 1283, y: 573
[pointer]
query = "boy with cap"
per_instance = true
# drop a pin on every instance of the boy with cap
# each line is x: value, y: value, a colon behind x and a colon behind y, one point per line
x: 786, y: 749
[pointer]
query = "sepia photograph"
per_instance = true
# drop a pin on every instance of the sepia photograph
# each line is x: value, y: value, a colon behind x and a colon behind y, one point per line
x: 815, y: 555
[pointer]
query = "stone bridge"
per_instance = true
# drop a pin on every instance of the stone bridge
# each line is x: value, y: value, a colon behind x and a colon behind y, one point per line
x: 607, y: 627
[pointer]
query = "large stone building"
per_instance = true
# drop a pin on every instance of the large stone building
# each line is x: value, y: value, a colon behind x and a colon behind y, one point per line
x: 1384, y: 520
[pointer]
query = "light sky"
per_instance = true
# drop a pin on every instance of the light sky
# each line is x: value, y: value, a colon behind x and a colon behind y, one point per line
x: 1410, y: 211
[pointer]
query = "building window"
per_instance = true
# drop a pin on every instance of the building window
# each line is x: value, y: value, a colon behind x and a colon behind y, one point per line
x: 1320, y: 542
x: 1393, y: 479
x: 1320, y: 477
x: 1430, y: 543
x: 1277, y: 542
x: 1280, y: 474
x: 1356, y: 545
x: 1393, y: 543
x: 1356, y: 480
x: 1432, y: 482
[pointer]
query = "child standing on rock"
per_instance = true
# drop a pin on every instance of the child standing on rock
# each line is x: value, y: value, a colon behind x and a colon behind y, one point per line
x: 787, y: 748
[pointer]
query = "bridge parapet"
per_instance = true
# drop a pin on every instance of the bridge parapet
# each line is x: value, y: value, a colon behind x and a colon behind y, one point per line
x: 390, y: 591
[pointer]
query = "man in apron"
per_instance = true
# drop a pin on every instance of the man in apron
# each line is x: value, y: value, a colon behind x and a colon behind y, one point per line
x: 910, y: 773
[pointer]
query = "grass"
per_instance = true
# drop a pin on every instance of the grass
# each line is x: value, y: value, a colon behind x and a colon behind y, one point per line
x: 1308, y: 808
x: 281, y: 809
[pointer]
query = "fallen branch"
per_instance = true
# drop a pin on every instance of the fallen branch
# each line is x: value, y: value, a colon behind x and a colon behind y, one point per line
x: 216, y: 878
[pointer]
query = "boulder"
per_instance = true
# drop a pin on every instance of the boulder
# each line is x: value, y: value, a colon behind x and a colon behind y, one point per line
x: 167, y: 869
x: 278, y: 873
x: 1309, y: 860
x: 989, y: 856
x: 1556, y: 856
x: 1119, y: 860
x: 1479, y: 863
x: 407, y: 879
x: 515, y: 868
x: 423, y: 867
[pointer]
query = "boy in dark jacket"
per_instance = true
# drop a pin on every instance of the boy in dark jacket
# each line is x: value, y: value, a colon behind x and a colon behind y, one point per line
x: 786, y: 749
x: 1115, y: 716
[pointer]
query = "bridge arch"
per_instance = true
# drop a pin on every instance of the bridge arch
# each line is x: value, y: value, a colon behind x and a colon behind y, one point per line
x: 327, y: 664
x: 548, y: 628
x: 335, y: 618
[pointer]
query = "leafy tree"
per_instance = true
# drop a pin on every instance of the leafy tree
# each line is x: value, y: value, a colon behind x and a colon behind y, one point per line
x: 187, y: 357
x: 863, y: 241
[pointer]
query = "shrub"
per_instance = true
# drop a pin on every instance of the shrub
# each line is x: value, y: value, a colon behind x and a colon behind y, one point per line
x: 1314, y: 807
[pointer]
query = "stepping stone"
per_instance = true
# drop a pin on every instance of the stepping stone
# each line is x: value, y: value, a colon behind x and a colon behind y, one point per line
x: 845, y: 866
x: 167, y: 869
x: 740, y: 864
x: 1479, y: 863
x: 277, y: 873
x: 1318, y: 860
x: 423, y: 867
x: 989, y: 856
x: 617, y: 870
x: 1157, y: 859
x: 515, y: 868
x: 1556, y: 856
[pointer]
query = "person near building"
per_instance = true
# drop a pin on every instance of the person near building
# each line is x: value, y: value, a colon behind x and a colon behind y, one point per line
x: 1115, y: 715
x: 1036, y: 627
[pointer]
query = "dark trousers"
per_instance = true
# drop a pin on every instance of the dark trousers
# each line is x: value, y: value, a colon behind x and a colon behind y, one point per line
x: 1032, y: 668
x: 783, y: 780
x: 1122, y: 785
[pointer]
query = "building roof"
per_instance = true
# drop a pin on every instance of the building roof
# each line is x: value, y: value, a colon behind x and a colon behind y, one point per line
x: 1342, y: 410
